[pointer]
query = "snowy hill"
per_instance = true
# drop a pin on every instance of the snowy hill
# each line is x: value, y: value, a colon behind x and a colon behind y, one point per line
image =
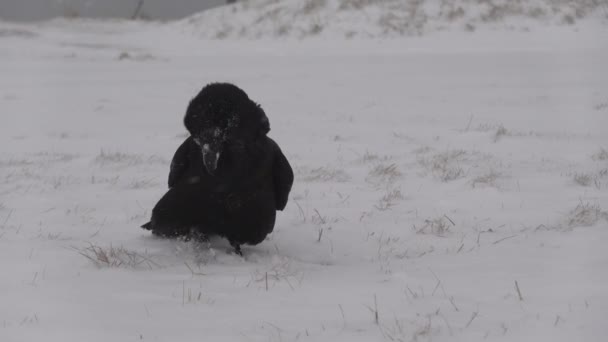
x: 385, y: 18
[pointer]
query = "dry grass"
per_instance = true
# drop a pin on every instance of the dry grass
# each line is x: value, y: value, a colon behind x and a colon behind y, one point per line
x: 389, y: 199
x: 322, y: 174
x: 602, y: 154
x: 22, y: 174
x: 439, y: 226
x: 117, y: 158
x: 487, y: 179
x: 39, y: 159
x: 413, y: 19
x: 445, y: 166
x: 14, y: 32
x: 603, y: 105
x: 125, y: 159
x: 311, y: 6
x: 138, y: 57
x: 55, y: 157
x: 281, y: 271
x: 583, y: 179
x: 591, y: 179
x: 356, y: 4
x: 114, y: 257
x: 585, y: 215
x: 15, y: 162
x: 422, y: 150
x: 383, y: 173
x: 194, y: 295
x: 373, y: 157
x: 599, y: 180
x: 420, y: 329
x: 501, y: 131
x: 58, y: 182
x: 323, y: 223
x: 141, y: 184
x: 104, y: 180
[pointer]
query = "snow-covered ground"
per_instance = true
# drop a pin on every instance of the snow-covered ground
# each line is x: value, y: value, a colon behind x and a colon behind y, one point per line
x: 451, y: 187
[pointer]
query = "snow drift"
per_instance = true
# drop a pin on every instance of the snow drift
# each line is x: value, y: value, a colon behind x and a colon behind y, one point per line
x: 384, y: 18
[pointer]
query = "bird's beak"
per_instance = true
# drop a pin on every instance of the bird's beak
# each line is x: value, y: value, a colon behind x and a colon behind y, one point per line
x: 210, y: 158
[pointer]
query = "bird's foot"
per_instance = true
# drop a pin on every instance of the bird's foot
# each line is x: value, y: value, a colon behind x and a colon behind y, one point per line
x: 237, y: 248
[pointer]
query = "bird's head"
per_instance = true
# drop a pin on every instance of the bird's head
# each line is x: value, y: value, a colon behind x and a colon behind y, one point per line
x: 221, y: 116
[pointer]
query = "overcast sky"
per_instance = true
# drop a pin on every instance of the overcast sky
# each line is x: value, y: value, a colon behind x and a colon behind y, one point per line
x: 19, y: 10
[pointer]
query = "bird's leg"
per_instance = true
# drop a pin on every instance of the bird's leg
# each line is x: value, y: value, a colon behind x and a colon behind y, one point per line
x: 237, y: 248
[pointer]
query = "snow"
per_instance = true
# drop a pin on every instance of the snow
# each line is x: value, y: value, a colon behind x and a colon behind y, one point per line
x: 385, y: 18
x: 433, y: 174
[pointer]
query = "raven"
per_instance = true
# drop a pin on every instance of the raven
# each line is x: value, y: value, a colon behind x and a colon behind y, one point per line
x: 228, y: 178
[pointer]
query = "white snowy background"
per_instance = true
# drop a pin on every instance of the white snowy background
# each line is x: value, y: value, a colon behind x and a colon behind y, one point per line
x: 451, y: 174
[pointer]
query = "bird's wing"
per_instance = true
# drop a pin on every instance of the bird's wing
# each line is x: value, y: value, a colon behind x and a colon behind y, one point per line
x: 282, y: 177
x: 180, y: 163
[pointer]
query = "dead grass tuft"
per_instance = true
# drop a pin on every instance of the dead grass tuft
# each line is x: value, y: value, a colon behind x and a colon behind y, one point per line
x: 585, y: 215
x: 322, y: 174
x: 311, y: 6
x: 38, y: 159
x: 501, y: 131
x: 58, y: 182
x: 439, y: 226
x: 104, y: 180
x: 602, y: 154
x: 119, y: 158
x: 373, y: 157
x: 141, y: 184
x: 389, y: 199
x: 55, y: 157
x: 445, y: 166
x: 422, y: 150
x: 15, y: 162
x: 603, y: 105
x: 14, y: 32
x: 138, y: 57
x: 114, y: 257
x: 583, y: 179
x: 487, y: 179
x: 419, y: 329
x: 383, y: 173
x: 596, y: 179
x: 355, y: 4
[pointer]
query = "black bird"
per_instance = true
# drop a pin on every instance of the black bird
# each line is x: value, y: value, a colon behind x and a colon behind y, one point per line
x: 227, y: 178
